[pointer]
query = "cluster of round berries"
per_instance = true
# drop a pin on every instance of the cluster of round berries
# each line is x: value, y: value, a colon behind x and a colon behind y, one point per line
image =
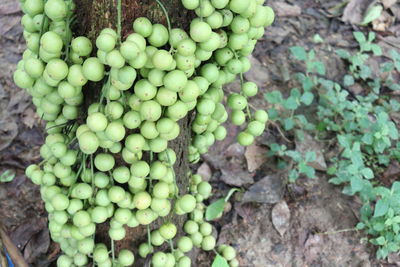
x: 94, y: 170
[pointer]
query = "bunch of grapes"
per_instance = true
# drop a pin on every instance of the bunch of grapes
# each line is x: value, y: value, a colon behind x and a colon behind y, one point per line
x: 115, y: 166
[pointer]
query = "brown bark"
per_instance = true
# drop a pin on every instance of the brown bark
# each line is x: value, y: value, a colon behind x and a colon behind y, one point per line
x: 94, y: 15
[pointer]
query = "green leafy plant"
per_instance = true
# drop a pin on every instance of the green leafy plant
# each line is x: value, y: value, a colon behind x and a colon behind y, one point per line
x: 361, y: 125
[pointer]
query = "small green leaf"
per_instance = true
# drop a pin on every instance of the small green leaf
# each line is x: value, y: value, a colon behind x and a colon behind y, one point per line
x: 376, y: 49
x: 310, y: 156
x: 307, y: 170
x: 356, y: 184
x: 380, y: 240
x: 299, y: 52
x: 214, y: 210
x: 291, y: 103
x: 348, y: 80
x: 372, y: 14
x: 318, y: 39
x: 7, y: 176
x: 288, y: 124
x: 274, y: 97
x: 360, y: 37
x: 371, y: 36
x: 367, y: 173
x: 381, y: 207
x: 307, y: 98
x: 343, y: 53
x: 219, y: 261
x: 293, y: 175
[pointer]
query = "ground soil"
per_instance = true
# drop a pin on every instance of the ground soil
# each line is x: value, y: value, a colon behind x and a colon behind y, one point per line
x: 308, y: 223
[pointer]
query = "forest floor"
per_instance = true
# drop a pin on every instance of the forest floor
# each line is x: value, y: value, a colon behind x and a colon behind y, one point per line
x: 273, y: 223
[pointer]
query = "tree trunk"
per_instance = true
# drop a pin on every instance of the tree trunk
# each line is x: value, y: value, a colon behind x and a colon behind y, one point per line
x: 92, y: 17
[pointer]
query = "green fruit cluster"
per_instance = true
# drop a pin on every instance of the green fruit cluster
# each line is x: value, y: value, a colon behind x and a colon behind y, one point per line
x: 94, y: 169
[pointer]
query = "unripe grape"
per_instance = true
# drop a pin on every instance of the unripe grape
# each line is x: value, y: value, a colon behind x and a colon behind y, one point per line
x: 238, y: 117
x: 115, y: 131
x: 56, y: 10
x: 122, y: 215
x: 186, y: 47
x: 51, y: 42
x: 184, y: 261
x: 143, y: 26
x: 191, y: 227
x: 150, y: 110
x: 255, y: 128
x: 200, y: 31
x: 197, y: 238
x: 132, y: 120
x: 162, y: 59
x: 57, y: 69
x: 121, y: 174
x: 156, y: 238
x: 146, y: 216
x: 145, y: 90
x: 82, y: 46
x: 245, y: 139
x: 159, y: 259
x: 81, y: 218
x: 93, y: 69
x: 105, y: 42
x: 99, y: 214
x: 97, y: 122
x: 215, y: 20
x: 229, y: 253
x: 191, y: 4
x: 142, y: 200
x: 144, y: 250
x: 64, y: 261
x: 240, y: 25
x: 220, y: 4
x: 208, y: 243
x: 168, y: 231
x: 237, y: 102
x: 187, y: 203
x: 159, y: 36
x: 239, y: 6
x: 116, y: 194
x: 161, y: 190
x: 126, y: 257
x: 115, y: 59
x: 60, y: 201
x: 185, y: 244
x: 261, y: 116
x: 34, y: 67
x: 104, y: 162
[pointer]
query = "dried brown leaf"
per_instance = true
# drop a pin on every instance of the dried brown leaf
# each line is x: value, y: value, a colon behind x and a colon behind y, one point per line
x: 255, y: 157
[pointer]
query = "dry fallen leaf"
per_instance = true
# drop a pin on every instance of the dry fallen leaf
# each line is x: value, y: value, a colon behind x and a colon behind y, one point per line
x: 255, y: 157
x: 205, y: 171
x: 355, y: 10
x: 281, y: 217
x: 388, y: 3
x: 29, y: 117
x: 285, y: 10
x: 383, y: 22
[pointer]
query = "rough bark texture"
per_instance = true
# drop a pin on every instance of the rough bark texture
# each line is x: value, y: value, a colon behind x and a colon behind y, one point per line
x: 92, y: 17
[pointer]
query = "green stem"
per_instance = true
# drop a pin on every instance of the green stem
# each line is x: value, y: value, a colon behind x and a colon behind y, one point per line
x: 173, y: 172
x: 119, y: 19
x: 166, y: 14
x: 231, y: 192
x: 171, y: 244
x: 112, y: 251
x: 148, y: 236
